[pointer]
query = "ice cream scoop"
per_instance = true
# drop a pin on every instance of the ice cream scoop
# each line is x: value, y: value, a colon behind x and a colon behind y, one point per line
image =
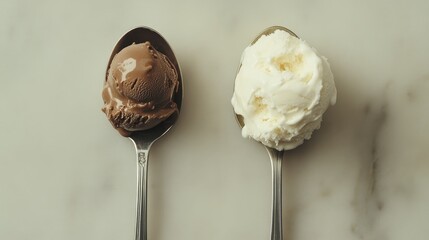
x: 280, y: 94
x: 143, y: 97
x: 138, y: 92
x: 282, y: 89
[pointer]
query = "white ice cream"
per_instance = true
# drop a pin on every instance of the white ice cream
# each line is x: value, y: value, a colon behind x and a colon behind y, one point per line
x: 282, y: 89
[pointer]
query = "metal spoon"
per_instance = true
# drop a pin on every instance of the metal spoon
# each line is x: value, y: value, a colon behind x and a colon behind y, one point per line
x: 276, y: 158
x: 143, y: 140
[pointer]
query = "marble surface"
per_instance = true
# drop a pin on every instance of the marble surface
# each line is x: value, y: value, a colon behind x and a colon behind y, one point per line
x: 66, y: 174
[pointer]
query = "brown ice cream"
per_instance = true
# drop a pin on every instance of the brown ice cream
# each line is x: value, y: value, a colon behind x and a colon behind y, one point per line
x: 139, y: 89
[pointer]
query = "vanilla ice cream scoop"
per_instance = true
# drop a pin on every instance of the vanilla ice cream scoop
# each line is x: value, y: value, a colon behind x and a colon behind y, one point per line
x: 282, y: 89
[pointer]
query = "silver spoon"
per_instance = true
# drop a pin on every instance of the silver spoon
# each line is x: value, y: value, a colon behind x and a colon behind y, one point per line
x: 276, y: 158
x: 143, y: 140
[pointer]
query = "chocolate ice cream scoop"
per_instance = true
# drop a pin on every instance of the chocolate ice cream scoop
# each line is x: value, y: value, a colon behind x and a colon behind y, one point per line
x: 139, y: 89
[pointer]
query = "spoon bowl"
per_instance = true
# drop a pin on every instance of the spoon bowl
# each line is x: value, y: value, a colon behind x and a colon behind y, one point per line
x: 276, y: 158
x: 143, y: 140
x: 141, y: 35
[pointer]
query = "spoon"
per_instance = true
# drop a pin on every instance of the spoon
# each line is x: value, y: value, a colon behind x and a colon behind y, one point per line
x: 276, y: 158
x: 143, y: 140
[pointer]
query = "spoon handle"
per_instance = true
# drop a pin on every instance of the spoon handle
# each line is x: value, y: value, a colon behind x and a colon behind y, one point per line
x: 142, y: 150
x: 142, y: 166
x: 276, y: 158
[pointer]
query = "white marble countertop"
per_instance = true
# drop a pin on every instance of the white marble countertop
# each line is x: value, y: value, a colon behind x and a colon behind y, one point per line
x: 66, y: 174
